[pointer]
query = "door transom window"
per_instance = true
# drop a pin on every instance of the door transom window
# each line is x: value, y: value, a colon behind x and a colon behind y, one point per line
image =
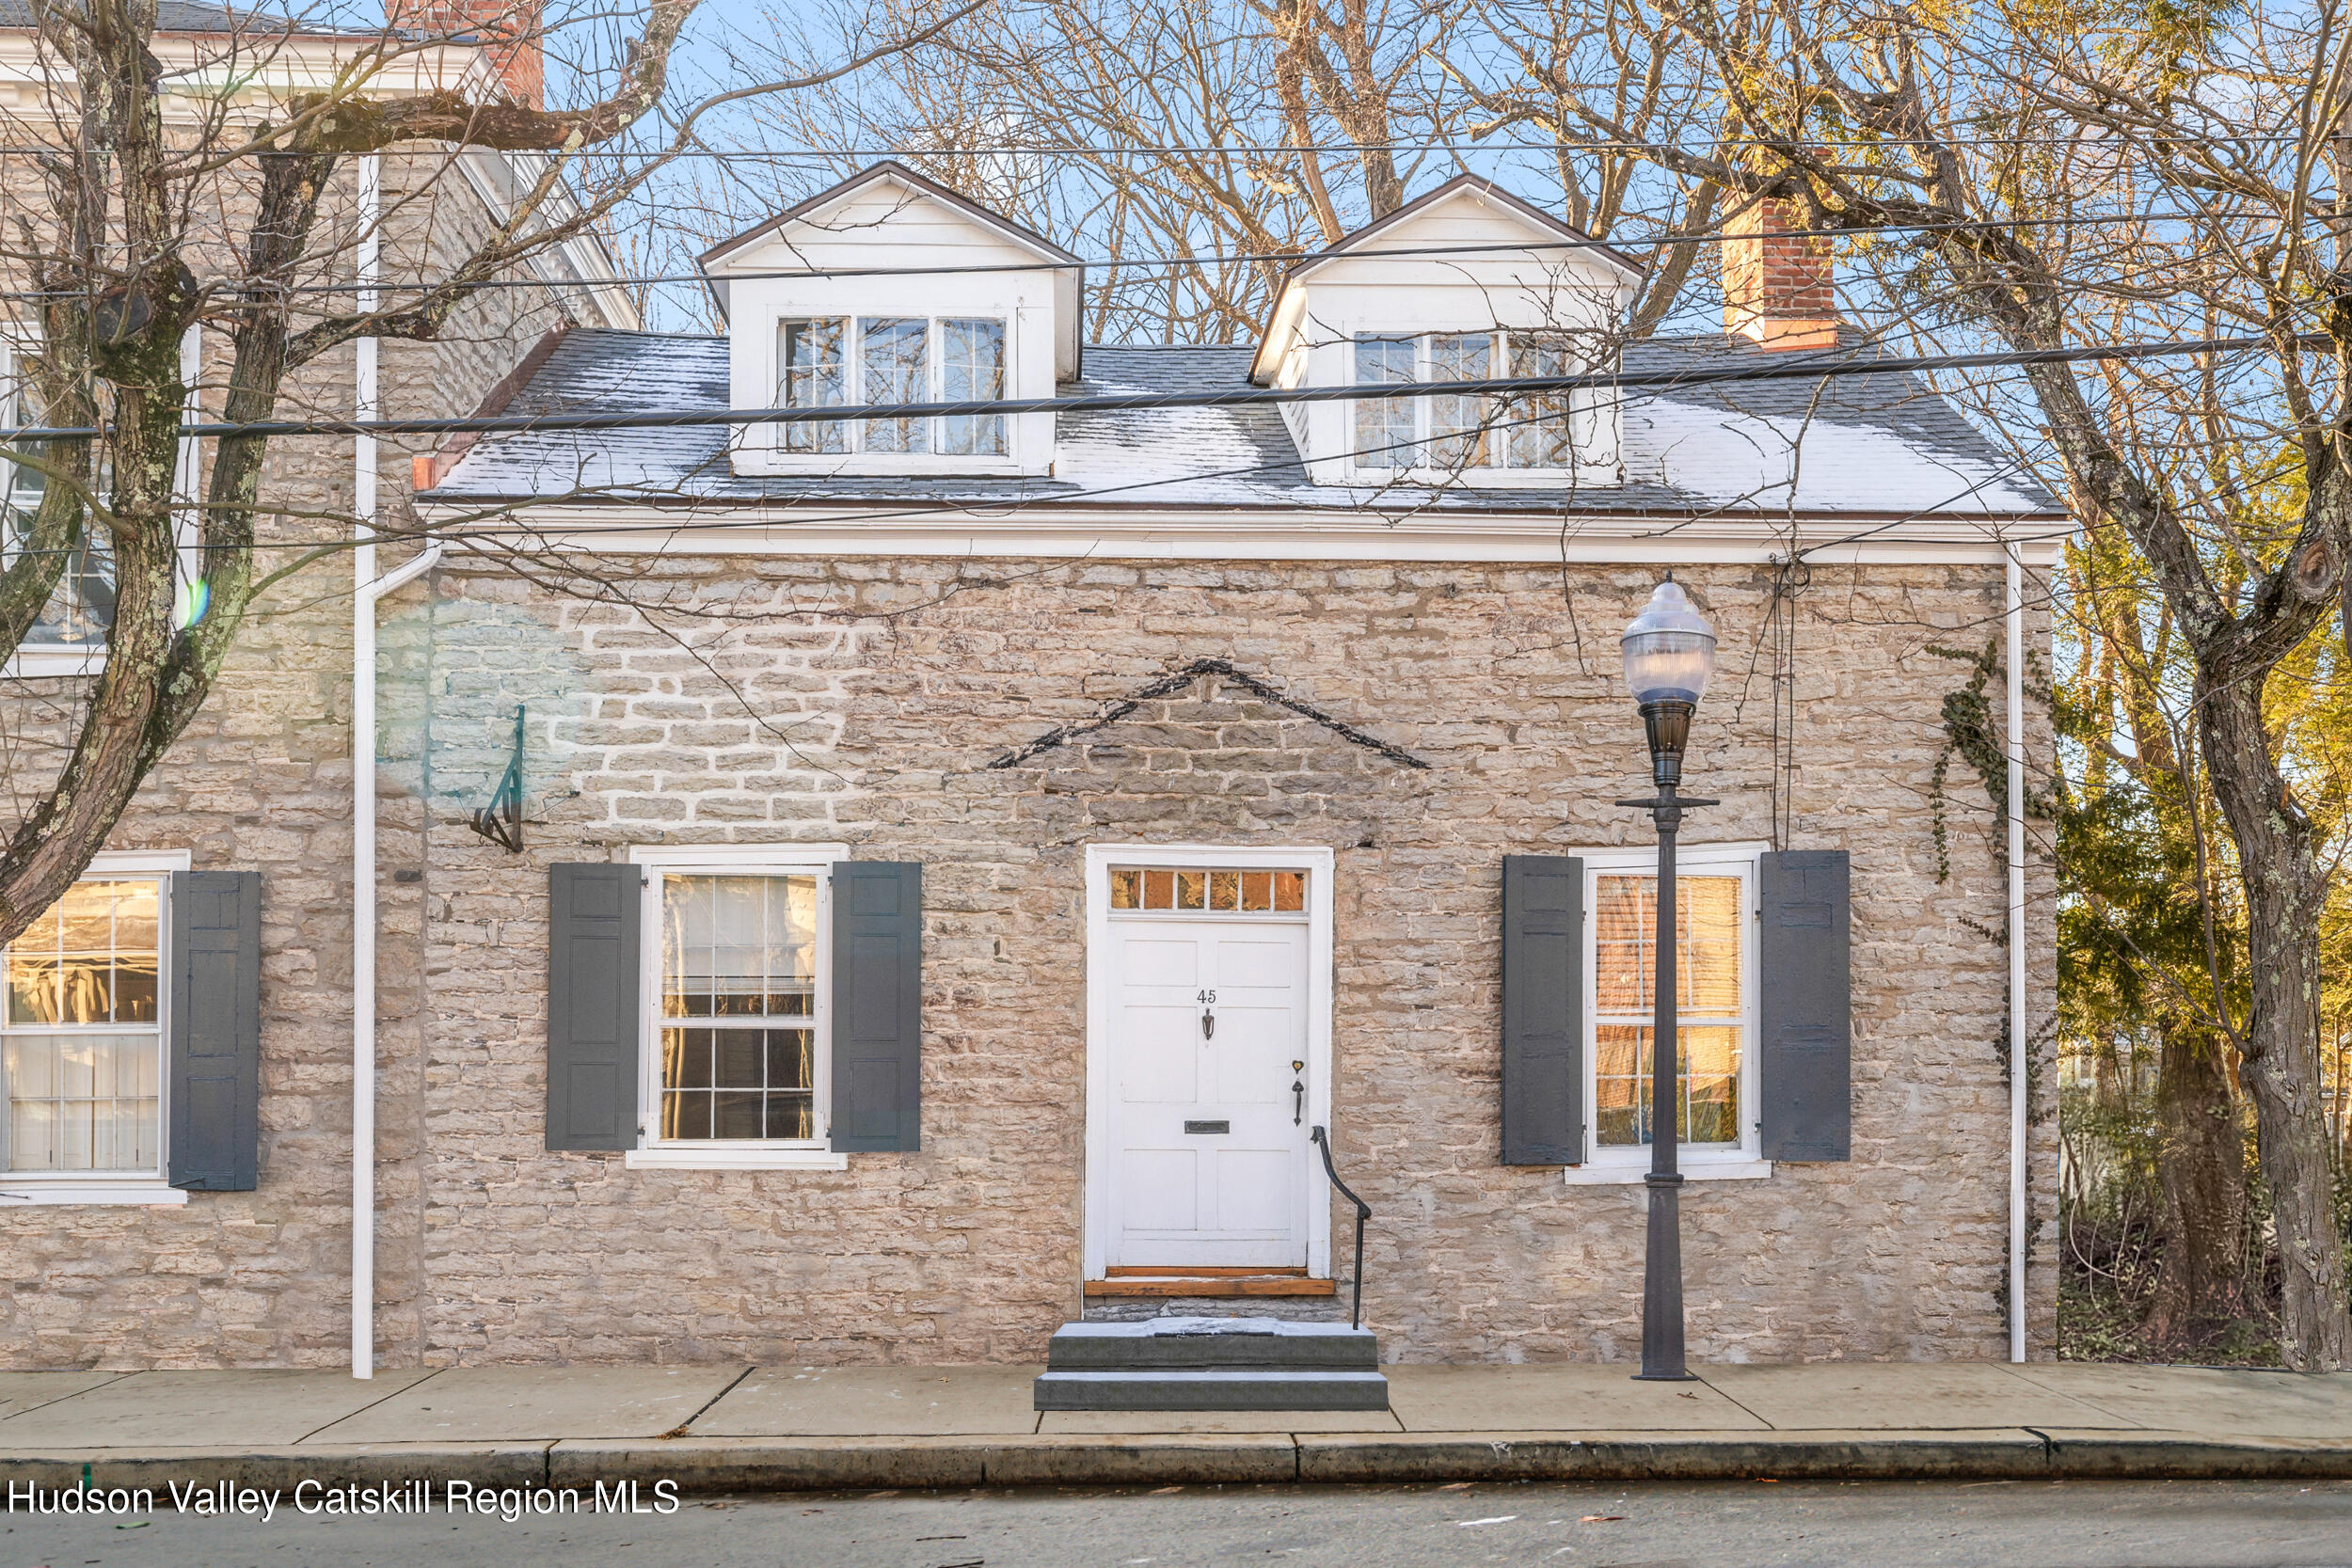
x: 1204, y: 890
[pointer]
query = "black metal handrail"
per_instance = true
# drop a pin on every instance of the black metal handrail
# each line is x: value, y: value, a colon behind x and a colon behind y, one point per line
x: 1363, y: 1212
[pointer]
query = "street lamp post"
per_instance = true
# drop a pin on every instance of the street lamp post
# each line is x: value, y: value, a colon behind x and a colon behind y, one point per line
x: 1669, y: 653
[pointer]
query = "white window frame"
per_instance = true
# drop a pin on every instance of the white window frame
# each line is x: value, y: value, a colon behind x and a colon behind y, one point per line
x: 1504, y: 472
x: 770, y: 438
x: 77, y: 659
x: 744, y: 860
x: 21, y: 1189
x: 1626, y: 1164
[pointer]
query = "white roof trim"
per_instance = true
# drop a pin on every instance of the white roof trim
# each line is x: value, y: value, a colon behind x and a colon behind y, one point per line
x: 1364, y: 244
x: 815, y: 210
x: 1334, y: 535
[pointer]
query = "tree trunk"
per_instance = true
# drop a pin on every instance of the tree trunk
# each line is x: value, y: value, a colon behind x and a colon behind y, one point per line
x: 2284, y: 893
x: 2201, y: 1171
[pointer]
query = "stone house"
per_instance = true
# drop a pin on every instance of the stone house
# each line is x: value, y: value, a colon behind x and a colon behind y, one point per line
x: 876, y: 888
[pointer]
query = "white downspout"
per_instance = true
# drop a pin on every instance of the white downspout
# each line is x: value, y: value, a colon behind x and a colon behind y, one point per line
x: 2013, y: 614
x: 365, y: 594
x: 368, y: 588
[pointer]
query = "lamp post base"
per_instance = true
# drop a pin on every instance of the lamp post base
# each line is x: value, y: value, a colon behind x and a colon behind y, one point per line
x: 1662, y: 1358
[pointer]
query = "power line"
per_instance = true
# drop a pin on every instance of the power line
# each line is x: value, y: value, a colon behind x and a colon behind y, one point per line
x: 1333, y: 149
x: 1201, y: 258
x: 1808, y: 368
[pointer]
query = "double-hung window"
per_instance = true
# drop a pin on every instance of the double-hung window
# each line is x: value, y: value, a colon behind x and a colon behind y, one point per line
x: 837, y: 361
x: 81, y: 608
x: 82, y: 1038
x: 1456, y: 433
x: 735, y: 1064
x: 1714, y: 1109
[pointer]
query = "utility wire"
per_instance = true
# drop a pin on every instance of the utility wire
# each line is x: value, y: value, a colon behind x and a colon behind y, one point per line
x: 1336, y: 150
x: 1809, y: 368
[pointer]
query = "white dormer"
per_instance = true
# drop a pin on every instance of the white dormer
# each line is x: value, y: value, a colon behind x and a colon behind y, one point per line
x: 1466, y: 284
x: 822, y: 310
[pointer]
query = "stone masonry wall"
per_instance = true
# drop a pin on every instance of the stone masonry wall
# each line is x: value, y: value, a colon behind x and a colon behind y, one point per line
x: 780, y: 699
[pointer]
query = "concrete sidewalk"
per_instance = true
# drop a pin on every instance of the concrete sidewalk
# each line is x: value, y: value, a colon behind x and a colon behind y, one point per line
x: 736, y: 1429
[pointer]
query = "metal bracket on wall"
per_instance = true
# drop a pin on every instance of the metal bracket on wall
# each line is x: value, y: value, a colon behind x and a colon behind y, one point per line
x: 501, y: 820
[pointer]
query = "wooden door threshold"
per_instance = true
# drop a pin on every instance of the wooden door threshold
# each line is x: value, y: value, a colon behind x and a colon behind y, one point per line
x: 1129, y: 1283
x: 1197, y: 1271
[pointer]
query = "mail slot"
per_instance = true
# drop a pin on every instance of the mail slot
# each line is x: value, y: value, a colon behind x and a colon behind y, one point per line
x: 1208, y: 1127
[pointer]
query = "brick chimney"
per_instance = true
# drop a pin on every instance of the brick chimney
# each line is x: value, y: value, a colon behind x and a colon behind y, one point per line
x: 507, y: 30
x: 1776, y: 289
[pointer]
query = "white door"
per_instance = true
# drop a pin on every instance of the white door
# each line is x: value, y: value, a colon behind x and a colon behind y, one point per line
x: 1208, y: 1034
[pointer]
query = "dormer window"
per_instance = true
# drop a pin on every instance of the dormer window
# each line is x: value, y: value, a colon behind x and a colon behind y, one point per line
x: 1437, y: 292
x: 822, y: 314
x: 836, y: 361
x: 1451, y: 434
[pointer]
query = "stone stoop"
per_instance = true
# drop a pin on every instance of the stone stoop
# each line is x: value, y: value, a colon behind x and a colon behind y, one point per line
x: 1256, y: 1363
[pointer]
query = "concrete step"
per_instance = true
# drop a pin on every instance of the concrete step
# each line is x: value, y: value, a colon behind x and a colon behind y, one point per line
x: 1215, y: 1388
x: 1181, y: 1344
x: 1212, y: 1362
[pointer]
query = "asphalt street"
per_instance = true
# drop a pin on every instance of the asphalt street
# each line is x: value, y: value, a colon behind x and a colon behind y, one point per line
x: 1994, y: 1523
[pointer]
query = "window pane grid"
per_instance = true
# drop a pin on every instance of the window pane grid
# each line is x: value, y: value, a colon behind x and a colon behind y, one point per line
x: 816, y: 375
x: 1384, y: 426
x: 1707, y: 944
x: 895, y: 358
x: 1202, y: 891
x: 84, y: 1090
x: 1457, y: 425
x: 1544, y: 440
x: 737, y: 1084
x: 972, y: 367
x: 738, y: 1001
x: 1709, y: 1006
x: 82, y: 607
x: 1707, y: 1084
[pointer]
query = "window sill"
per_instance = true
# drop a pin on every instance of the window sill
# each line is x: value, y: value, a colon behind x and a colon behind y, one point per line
x: 1693, y: 1170
x: 1484, y: 479
x: 734, y: 1159
x: 30, y: 663
x: 851, y: 465
x: 18, y: 1191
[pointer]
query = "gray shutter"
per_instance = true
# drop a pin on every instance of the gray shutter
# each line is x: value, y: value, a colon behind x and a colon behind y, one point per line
x: 215, y: 1072
x: 877, y: 1006
x: 593, y: 966
x: 1543, y: 1010
x: 1804, y: 964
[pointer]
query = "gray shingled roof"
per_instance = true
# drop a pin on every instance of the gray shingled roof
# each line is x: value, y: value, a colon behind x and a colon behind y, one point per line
x: 191, y: 16
x: 1871, y: 444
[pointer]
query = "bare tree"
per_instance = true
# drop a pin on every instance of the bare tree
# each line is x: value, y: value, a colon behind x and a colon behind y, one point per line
x: 157, y: 208
x: 1193, y: 146
x: 2085, y: 176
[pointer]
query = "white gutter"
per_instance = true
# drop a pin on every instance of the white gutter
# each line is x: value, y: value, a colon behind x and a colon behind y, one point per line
x: 367, y: 590
x: 2013, y: 614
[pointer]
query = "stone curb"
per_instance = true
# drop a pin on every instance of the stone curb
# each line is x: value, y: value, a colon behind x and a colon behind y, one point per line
x: 707, y: 1464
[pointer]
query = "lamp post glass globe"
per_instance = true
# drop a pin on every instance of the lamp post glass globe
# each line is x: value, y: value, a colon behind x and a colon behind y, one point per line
x: 1669, y: 649
x: 1669, y: 652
